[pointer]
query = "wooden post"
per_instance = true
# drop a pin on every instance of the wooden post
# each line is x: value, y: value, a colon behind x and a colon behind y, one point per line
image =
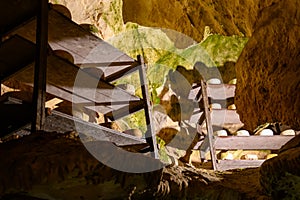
x: 39, y: 91
x: 208, y: 125
x: 150, y: 134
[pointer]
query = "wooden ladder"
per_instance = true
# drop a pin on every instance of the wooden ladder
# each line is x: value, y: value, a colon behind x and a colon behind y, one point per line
x: 11, y: 18
x: 23, y: 34
x: 212, y: 143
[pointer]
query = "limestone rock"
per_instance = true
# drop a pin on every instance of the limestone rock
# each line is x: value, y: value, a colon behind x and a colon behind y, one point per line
x: 268, y: 69
x: 191, y: 17
x: 105, y: 15
x: 243, y: 133
x: 266, y: 132
x: 288, y: 132
x: 221, y: 133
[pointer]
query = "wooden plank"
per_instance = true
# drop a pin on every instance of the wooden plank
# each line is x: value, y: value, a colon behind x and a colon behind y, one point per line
x: 150, y: 133
x: 83, y: 46
x: 221, y: 91
x: 40, y: 69
x: 219, y: 117
x: 86, y: 129
x: 251, y: 142
x: 224, y: 165
x: 112, y: 74
x: 217, y: 91
x: 18, y: 116
x: 109, y: 72
x: 61, y: 76
x: 132, y: 107
x: 15, y: 54
x: 208, y: 125
x: 224, y: 116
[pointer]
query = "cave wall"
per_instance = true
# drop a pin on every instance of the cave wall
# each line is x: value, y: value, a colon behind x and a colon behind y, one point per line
x: 268, y: 70
x: 235, y: 17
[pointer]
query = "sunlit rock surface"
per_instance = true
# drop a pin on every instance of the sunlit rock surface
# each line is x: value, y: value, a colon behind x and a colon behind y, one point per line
x: 195, y: 17
x: 268, y: 72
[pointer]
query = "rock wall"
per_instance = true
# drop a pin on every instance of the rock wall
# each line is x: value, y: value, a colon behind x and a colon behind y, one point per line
x: 268, y: 70
x: 104, y: 15
x: 235, y: 17
x: 57, y: 166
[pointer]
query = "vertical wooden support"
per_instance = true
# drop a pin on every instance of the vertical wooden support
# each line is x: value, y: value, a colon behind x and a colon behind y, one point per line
x: 1, y: 38
x: 150, y: 134
x: 208, y: 125
x: 39, y: 91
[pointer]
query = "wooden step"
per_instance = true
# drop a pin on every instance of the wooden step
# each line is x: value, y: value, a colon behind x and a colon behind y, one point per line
x: 251, y: 142
x: 224, y: 165
x: 219, y: 117
x: 86, y: 129
x: 87, y: 50
x: 122, y: 112
x: 89, y: 92
x: 215, y: 91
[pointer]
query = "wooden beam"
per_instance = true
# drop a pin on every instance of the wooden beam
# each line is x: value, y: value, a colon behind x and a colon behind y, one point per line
x: 121, y: 73
x: 251, y: 142
x: 219, y: 117
x: 96, y: 131
x: 208, y: 125
x: 218, y: 91
x: 150, y: 134
x: 238, y: 164
x: 83, y: 46
x: 39, y: 92
x: 132, y: 107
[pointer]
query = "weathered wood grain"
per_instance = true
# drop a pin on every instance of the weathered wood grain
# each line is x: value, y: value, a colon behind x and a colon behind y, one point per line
x: 251, y: 142
x: 87, y: 49
x: 238, y: 164
x: 68, y: 82
x: 217, y: 91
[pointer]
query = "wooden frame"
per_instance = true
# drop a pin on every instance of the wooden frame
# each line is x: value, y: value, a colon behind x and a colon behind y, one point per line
x: 39, y: 90
x: 213, y: 143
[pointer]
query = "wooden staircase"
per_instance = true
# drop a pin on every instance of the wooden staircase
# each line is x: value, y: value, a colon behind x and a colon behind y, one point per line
x: 204, y: 94
x: 91, y: 59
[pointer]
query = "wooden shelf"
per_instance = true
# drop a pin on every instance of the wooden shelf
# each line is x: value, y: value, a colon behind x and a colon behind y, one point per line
x: 251, y: 142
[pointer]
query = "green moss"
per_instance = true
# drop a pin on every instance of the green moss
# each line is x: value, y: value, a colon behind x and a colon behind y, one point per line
x: 54, y: 1
x: 93, y: 29
x: 163, y: 155
x: 222, y: 49
x: 161, y: 54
